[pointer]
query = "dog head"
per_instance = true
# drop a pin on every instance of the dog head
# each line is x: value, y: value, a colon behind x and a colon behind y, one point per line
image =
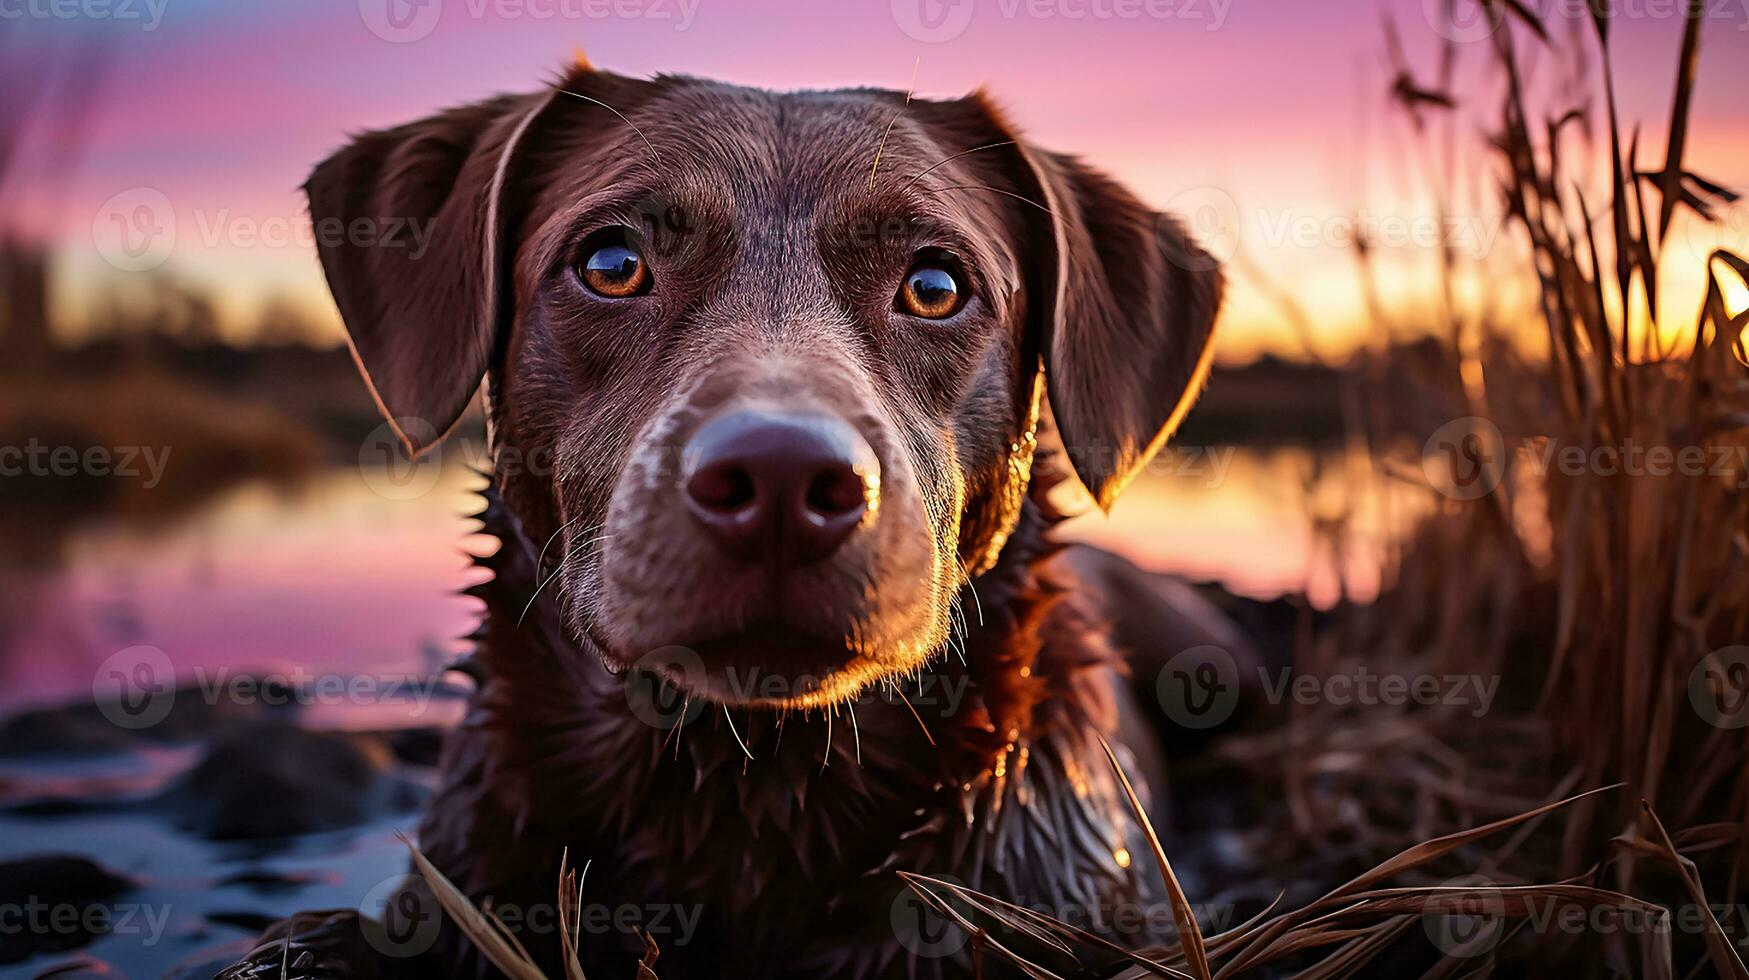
x: 764, y: 368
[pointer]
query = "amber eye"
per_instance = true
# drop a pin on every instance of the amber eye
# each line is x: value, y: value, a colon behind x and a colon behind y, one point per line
x: 932, y: 289
x: 613, y: 268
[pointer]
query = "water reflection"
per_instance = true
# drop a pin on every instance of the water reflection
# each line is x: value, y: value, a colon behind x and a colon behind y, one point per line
x: 335, y: 576
x: 328, y: 576
x: 1258, y: 520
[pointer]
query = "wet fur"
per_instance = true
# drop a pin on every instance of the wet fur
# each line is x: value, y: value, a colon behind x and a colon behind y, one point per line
x: 792, y: 853
x: 785, y: 827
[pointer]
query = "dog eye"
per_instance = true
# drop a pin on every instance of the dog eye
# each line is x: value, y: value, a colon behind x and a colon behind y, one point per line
x: 613, y: 267
x: 933, y: 288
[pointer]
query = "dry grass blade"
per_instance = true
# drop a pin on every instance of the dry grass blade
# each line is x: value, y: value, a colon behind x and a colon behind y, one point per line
x: 1263, y: 947
x: 1670, y: 178
x: 570, y: 915
x: 946, y: 909
x: 498, y: 925
x: 478, y: 926
x: 1421, y: 854
x: 1511, y: 901
x: 1724, y: 955
x: 1039, y: 926
x: 1360, y: 949
x: 1189, y: 933
x: 1528, y: 18
x: 647, y: 965
x: 992, y: 907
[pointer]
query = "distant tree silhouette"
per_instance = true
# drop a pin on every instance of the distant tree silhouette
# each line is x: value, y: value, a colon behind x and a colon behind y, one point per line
x: 38, y: 80
x: 24, y: 310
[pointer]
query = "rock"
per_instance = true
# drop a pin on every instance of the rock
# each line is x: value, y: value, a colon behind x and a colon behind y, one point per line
x: 84, y: 728
x: 62, y: 903
x: 417, y: 746
x: 269, y: 780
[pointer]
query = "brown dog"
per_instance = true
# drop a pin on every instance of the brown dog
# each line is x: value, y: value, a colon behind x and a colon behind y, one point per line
x: 774, y: 616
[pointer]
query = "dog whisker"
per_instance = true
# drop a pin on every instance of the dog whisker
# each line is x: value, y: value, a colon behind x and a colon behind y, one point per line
x: 914, y: 714
x: 882, y: 145
x: 555, y: 574
x: 997, y: 190
x: 730, y: 719
x: 855, y: 731
x: 973, y: 589
x: 672, y: 732
x: 541, y: 558
x: 685, y: 706
x: 647, y: 144
x: 946, y: 160
x: 951, y: 642
x: 828, y: 759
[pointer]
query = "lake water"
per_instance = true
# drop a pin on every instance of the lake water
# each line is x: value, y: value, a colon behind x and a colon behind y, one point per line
x: 355, y: 570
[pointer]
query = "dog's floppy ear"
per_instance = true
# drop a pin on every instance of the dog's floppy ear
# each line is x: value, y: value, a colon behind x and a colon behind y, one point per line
x: 1125, y: 318
x: 409, y: 228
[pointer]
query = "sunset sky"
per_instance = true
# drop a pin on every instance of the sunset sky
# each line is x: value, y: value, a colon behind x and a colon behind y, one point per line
x: 1263, y: 121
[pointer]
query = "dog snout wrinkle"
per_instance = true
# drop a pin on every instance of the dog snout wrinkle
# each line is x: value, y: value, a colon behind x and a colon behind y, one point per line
x: 779, y: 488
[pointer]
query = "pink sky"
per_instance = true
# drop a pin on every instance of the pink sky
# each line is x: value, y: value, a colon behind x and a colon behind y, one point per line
x: 1270, y: 108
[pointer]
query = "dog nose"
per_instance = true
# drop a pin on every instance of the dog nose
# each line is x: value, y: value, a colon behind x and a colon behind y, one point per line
x: 782, y: 486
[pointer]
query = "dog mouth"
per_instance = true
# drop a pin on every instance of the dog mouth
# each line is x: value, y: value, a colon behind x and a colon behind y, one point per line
x: 769, y: 662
